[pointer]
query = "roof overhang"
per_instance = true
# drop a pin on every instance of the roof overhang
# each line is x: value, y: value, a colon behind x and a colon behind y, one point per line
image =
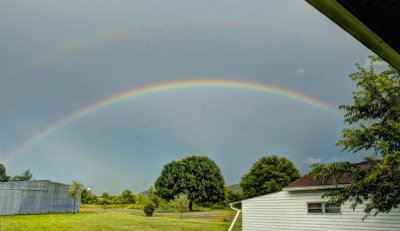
x: 319, y: 187
x: 375, y: 23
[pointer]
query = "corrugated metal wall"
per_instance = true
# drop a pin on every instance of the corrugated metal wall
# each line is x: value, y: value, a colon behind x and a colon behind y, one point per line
x: 288, y: 211
x: 35, y: 197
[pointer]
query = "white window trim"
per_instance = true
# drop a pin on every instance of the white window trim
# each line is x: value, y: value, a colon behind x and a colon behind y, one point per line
x: 323, y: 203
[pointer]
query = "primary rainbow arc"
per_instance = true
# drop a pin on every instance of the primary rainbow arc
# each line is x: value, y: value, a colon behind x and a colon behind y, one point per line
x: 168, y: 86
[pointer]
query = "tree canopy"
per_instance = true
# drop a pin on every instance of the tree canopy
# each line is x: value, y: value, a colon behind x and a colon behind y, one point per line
x: 127, y: 197
x: 374, y: 119
x: 26, y: 175
x: 196, y: 176
x: 268, y: 174
x: 3, y: 174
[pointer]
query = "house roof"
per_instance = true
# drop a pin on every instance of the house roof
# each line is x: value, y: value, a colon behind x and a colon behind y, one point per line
x: 375, y: 23
x: 310, y: 180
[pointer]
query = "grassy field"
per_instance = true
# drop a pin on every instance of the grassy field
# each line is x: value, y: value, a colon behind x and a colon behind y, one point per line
x: 100, y: 219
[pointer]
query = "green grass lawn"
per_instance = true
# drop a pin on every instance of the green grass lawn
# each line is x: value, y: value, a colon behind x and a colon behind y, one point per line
x: 100, y: 219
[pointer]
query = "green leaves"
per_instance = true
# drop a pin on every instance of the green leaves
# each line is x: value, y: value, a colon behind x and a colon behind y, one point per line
x: 180, y: 202
x: 268, y: 174
x: 197, y: 176
x: 75, y: 189
x: 375, y: 120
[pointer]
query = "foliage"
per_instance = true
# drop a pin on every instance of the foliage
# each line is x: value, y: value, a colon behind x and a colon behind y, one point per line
x: 197, y: 176
x: 157, y: 200
x: 105, y: 195
x: 127, y: 197
x: 180, y: 202
x: 232, y: 196
x: 268, y: 174
x: 374, y: 117
x: 105, y: 202
x: 3, y: 174
x: 88, y: 197
x: 26, y: 175
x: 141, y: 199
x: 75, y: 190
x: 149, y: 208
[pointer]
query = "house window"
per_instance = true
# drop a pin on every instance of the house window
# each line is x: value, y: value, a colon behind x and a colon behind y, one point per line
x: 332, y: 208
x: 322, y: 208
x: 315, y: 207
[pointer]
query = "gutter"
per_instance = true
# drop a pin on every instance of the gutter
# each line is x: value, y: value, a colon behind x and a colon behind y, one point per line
x: 237, y: 213
x: 319, y: 187
x: 355, y: 27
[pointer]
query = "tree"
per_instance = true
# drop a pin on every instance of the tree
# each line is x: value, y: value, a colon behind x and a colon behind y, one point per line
x: 180, y: 202
x: 268, y: 174
x: 26, y: 175
x: 3, y: 174
x: 153, y: 196
x: 374, y: 117
x: 127, y: 197
x: 75, y: 191
x: 88, y: 197
x: 196, y: 176
x: 232, y: 196
x: 105, y: 195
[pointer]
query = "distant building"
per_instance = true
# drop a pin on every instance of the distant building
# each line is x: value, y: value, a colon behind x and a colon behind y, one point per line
x: 35, y: 197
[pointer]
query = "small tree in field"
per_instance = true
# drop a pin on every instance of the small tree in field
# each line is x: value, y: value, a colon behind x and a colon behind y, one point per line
x: 180, y: 202
x: 75, y: 191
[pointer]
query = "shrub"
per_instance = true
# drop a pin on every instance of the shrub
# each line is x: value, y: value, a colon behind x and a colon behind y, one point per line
x: 149, y: 209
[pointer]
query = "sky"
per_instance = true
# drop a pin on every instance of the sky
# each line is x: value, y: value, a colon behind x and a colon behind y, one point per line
x: 108, y: 92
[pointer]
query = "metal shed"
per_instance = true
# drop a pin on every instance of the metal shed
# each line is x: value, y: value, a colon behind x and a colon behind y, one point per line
x: 35, y: 197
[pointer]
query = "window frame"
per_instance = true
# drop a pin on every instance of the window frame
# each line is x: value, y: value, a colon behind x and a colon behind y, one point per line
x: 323, y: 208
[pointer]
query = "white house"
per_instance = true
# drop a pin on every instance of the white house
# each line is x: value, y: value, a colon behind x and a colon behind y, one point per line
x: 300, y: 207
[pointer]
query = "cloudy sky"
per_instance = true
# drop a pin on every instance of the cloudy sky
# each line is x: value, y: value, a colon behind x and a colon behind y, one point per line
x: 108, y: 92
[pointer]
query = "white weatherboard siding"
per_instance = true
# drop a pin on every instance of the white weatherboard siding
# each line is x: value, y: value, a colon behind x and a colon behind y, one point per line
x: 288, y: 211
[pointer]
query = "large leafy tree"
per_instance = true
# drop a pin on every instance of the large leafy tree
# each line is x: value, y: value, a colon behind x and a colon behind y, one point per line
x: 374, y: 119
x: 268, y: 174
x: 196, y: 176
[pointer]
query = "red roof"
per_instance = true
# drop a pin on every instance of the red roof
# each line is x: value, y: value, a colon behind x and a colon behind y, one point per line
x: 309, y: 179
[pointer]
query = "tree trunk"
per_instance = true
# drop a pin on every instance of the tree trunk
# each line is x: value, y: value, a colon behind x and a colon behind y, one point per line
x: 190, y: 205
x: 74, y: 204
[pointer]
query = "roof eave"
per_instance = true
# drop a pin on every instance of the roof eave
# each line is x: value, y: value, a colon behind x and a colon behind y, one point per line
x: 318, y: 187
x: 346, y: 20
